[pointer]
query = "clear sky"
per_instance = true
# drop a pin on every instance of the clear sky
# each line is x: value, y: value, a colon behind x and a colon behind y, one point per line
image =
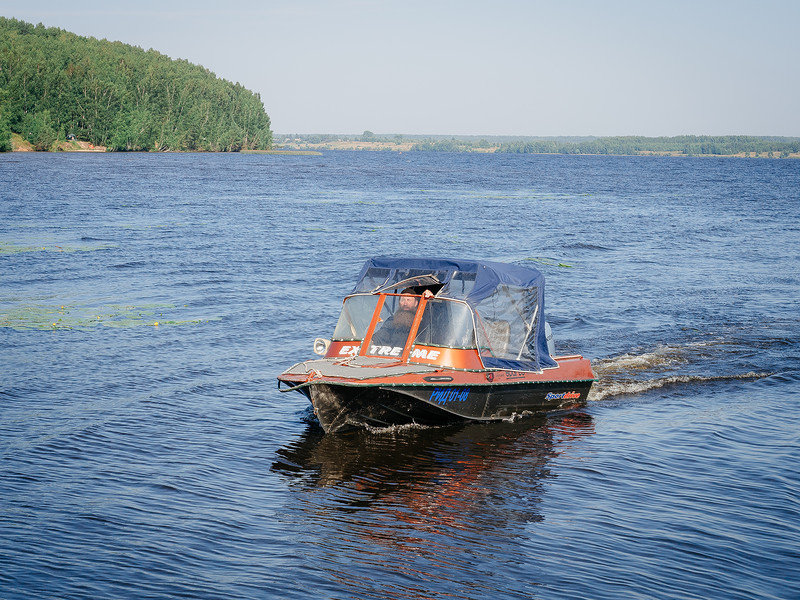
x: 504, y: 67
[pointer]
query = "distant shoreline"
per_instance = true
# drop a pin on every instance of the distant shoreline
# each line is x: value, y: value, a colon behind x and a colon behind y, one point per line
x: 408, y: 147
x: 679, y: 146
x: 19, y: 144
x: 311, y: 146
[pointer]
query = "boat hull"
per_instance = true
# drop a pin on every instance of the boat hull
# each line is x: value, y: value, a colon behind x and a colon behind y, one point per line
x: 340, y: 407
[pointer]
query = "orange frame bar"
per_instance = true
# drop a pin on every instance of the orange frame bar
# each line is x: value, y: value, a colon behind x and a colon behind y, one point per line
x: 412, y: 334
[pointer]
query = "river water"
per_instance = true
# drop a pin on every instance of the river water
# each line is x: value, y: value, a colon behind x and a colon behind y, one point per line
x: 160, y: 461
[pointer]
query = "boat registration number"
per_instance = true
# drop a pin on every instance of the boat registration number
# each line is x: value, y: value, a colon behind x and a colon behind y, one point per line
x: 442, y: 395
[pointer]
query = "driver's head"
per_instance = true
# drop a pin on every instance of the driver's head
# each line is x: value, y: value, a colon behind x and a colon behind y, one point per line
x: 408, y: 303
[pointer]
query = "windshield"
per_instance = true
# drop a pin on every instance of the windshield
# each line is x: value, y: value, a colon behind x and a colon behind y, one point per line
x: 443, y: 323
x: 446, y: 324
x: 355, y: 317
x: 394, y: 325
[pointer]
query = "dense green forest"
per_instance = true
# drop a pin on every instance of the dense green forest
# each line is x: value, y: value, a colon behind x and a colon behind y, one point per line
x: 54, y: 84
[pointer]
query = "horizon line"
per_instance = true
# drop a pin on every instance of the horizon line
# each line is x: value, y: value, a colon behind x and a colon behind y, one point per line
x: 525, y: 135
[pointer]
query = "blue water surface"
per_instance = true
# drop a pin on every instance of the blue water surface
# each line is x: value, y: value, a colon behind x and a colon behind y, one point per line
x: 147, y: 303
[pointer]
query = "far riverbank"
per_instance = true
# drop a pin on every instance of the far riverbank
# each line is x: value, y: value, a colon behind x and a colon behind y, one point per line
x: 731, y: 146
x: 683, y: 146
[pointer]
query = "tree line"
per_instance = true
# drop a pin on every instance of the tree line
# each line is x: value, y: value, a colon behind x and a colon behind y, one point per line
x: 689, y: 145
x: 684, y: 145
x: 54, y: 84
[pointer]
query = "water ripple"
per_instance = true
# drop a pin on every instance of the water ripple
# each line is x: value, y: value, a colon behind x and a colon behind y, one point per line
x: 143, y: 461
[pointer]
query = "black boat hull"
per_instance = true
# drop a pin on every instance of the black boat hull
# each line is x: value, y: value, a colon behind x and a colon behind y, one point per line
x: 342, y: 407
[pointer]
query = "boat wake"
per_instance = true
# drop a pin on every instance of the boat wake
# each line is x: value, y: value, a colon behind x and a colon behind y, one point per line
x: 610, y: 389
x: 636, y: 373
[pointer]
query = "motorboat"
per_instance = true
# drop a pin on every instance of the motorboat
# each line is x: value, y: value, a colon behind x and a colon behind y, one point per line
x: 433, y: 341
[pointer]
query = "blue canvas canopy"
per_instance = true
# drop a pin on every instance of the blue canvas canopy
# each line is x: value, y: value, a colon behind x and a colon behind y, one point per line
x: 507, y: 300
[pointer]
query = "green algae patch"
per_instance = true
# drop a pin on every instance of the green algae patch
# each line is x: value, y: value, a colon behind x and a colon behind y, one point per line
x: 550, y: 262
x: 39, y: 316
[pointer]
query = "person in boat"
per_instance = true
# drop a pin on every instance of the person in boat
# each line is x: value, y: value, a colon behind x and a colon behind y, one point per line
x: 394, y: 331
